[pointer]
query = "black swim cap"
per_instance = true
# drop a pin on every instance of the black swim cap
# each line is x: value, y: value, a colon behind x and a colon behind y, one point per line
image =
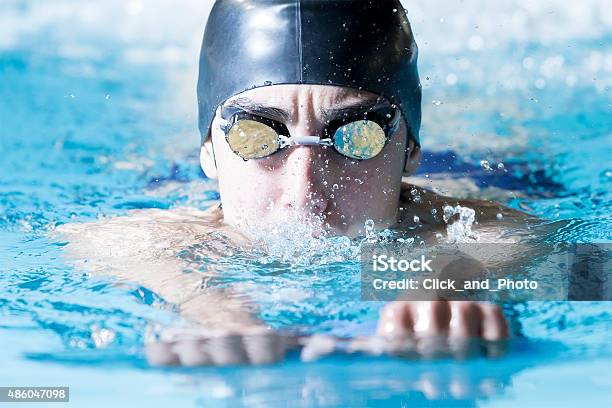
x: 353, y: 43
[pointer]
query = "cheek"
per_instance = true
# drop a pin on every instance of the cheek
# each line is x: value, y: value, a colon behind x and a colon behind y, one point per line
x: 245, y: 186
x: 245, y: 189
x: 241, y: 186
x: 381, y: 172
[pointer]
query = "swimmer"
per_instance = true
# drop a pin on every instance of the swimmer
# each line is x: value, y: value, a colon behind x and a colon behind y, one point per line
x: 307, y: 107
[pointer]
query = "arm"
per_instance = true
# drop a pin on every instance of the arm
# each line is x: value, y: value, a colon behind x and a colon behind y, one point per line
x: 142, y: 248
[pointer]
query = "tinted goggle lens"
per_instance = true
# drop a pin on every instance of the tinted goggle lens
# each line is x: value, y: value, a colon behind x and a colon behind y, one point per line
x: 361, y: 139
x: 250, y: 139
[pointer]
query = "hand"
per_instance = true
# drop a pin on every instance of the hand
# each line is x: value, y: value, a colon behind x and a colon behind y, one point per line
x: 252, y: 345
x: 436, y: 325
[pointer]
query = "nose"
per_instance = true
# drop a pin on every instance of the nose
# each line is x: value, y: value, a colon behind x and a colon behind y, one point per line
x: 303, y: 187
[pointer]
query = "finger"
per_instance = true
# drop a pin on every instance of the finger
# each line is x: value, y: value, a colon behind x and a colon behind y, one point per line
x: 494, y: 330
x: 464, y: 329
x: 494, y: 326
x: 161, y: 354
x: 431, y: 318
x: 227, y: 350
x: 395, y: 321
x: 192, y: 353
x: 264, y: 346
x: 317, y: 346
x: 465, y: 320
x: 433, y: 347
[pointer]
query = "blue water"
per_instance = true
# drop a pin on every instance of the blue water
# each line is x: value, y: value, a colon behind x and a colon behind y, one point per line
x: 94, y: 123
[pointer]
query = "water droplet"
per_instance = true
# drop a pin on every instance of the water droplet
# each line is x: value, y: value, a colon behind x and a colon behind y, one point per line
x: 416, y: 219
x: 448, y: 213
x: 267, y: 83
x: 102, y: 337
x: 369, y: 231
x: 500, y: 166
x: 499, y: 216
x: 485, y: 165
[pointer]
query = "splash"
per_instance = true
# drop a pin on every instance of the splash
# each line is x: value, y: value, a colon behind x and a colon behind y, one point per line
x: 459, y: 230
x: 299, y: 240
x: 371, y: 236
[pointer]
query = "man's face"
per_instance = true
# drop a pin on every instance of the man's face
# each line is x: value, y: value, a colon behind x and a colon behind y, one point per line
x: 315, y: 182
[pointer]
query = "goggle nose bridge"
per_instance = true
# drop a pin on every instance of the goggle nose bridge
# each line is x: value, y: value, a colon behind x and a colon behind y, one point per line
x: 285, y: 141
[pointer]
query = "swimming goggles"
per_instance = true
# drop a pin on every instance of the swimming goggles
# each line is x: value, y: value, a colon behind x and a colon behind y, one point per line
x: 360, y: 134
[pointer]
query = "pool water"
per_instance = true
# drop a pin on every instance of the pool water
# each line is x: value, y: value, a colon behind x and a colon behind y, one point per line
x: 97, y: 118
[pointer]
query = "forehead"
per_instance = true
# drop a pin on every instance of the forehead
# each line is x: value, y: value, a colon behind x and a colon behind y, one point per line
x: 291, y: 96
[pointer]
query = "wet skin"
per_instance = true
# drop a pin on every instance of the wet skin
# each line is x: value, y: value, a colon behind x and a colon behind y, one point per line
x: 317, y: 181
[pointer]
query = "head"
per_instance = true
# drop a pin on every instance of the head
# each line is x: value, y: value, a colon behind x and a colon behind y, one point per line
x: 304, y: 64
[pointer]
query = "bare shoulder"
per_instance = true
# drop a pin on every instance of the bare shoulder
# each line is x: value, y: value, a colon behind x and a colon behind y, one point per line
x: 493, y: 221
x: 111, y: 245
x: 422, y: 201
x: 142, y: 247
x: 128, y: 233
